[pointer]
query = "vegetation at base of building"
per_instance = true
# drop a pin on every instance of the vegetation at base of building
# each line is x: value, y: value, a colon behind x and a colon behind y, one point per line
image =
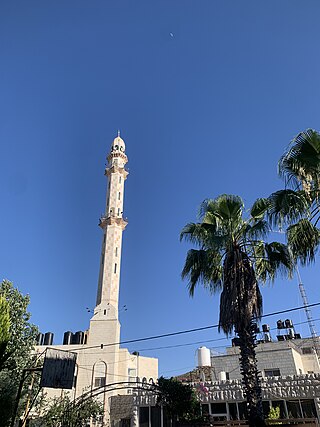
x: 232, y: 256
x: 274, y: 415
x: 17, y: 338
x: 63, y: 411
x: 179, y: 400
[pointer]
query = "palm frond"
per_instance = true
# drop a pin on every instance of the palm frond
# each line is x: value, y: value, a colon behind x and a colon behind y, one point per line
x: 301, y: 161
x: 203, y: 267
x: 303, y: 240
x: 272, y: 259
x: 259, y: 208
x: 280, y: 259
x: 287, y: 206
x: 229, y: 206
x: 258, y: 230
x: 193, y: 233
x: 208, y: 206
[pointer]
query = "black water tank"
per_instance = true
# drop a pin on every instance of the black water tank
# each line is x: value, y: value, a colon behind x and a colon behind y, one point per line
x: 288, y: 323
x: 67, y: 338
x: 265, y: 328
x: 280, y: 324
x: 78, y: 337
x: 40, y: 339
x: 48, y: 338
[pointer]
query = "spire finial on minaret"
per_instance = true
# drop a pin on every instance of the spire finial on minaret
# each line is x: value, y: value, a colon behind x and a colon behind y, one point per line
x: 118, y: 133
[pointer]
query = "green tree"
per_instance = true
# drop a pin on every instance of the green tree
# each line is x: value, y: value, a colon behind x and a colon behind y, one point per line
x: 232, y: 256
x: 62, y: 411
x: 4, y: 330
x: 179, y: 399
x: 296, y: 208
x: 16, y: 354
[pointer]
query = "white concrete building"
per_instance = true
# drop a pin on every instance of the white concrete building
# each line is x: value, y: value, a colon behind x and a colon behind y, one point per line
x: 290, y: 379
x: 275, y: 359
x: 100, y: 360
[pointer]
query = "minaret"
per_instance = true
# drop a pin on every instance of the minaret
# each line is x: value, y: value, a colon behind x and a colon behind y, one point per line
x: 112, y: 224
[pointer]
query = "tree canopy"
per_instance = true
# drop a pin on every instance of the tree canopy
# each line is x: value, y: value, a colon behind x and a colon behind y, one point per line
x: 63, y: 411
x: 179, y: 399
x: 18, y: 338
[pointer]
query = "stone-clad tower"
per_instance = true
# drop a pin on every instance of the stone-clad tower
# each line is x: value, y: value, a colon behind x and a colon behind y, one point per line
x: 112, y: 224
x: 101, y: 361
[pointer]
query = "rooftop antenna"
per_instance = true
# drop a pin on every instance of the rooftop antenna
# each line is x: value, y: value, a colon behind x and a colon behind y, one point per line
x: 307, y: 310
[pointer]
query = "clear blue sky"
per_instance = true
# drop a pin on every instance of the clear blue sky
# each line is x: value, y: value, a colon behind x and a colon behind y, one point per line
x: 204, y: 111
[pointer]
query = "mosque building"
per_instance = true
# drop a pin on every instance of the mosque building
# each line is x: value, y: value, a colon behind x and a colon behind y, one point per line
x: 103, y: 367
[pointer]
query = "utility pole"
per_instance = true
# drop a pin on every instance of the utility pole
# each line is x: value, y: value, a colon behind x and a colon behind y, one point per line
x: 23, y: 377
x: 307, y: 310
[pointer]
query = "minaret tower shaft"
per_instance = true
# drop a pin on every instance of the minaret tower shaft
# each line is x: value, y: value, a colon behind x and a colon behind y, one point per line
x: 112, y: 224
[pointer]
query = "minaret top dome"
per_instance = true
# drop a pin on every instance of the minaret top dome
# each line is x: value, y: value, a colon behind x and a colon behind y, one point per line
x: 118, y: 145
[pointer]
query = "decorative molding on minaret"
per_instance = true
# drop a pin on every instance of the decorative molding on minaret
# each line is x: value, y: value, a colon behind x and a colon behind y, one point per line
x: 112, y: 224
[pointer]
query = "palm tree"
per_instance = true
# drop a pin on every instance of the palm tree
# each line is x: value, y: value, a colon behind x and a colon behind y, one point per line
x: 231, y: 256
x: 297, y: 207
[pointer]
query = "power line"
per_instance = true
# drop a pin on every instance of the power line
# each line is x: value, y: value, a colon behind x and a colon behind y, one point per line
x: 186, y: 331
x: 195, y: 342
x: 206, y: 341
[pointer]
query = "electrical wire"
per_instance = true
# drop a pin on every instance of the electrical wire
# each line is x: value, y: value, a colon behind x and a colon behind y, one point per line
x: 186, y: 331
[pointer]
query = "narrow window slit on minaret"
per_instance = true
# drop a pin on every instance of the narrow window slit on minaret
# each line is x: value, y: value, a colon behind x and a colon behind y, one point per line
x: 116, y: 251
x: 119, y: 195
x: 120, y: 179
x: 118, y: 211
x: 115, y: 268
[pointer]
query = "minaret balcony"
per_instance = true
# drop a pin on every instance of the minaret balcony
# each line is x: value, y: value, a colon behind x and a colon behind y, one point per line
x: 112, y: 220
x: 114, y: 168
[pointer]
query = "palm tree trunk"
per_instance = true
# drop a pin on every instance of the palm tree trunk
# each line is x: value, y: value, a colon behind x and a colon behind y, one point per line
x: 250, y: 374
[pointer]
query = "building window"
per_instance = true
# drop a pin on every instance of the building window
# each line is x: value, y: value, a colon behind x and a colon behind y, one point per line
x: 233, y: 411
x: 308, y: 408
x: 99, y: 374
x: 116, y: 251
x: 155, y: 416
x: 272, y: 372
x: 306, y: 350
x: 115, y: 268
x: 144, y: 416
x: 218, y: 408
x: 118, y: 211
x: 99, y: 381
x: 294, y: 409
x: 119, y: 195
x: 120, y: 179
